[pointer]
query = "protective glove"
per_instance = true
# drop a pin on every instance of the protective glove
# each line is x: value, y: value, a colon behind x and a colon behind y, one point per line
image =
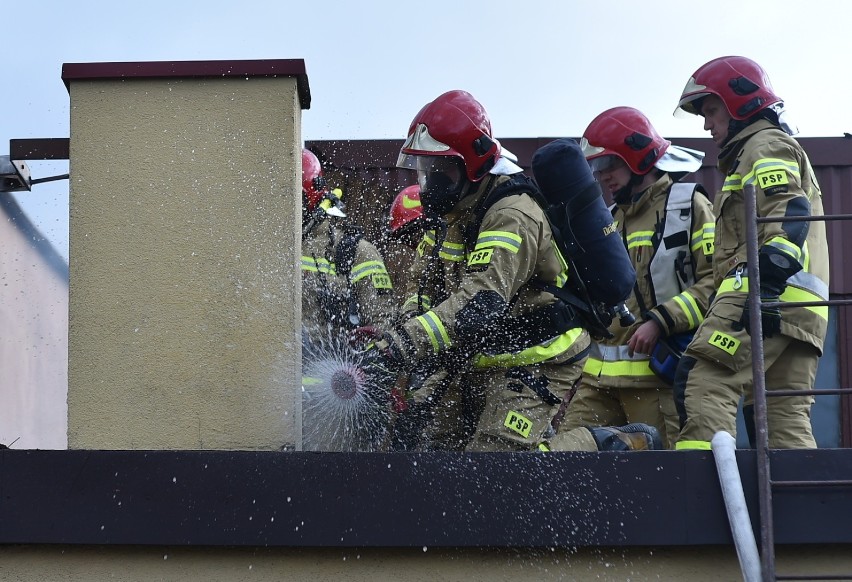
x: 775, y: 269
x: 385, y: 354
x: 770, y: 317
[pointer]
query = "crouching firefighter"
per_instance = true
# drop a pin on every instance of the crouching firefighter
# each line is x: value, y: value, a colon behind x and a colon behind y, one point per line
x: 483, y: 300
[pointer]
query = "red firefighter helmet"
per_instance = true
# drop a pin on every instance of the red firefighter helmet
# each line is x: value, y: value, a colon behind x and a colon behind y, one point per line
x: 739, y: 82
x: 314, y: 186
x: 625, y: 133
x: 405, y: 210
x: 456, y: 125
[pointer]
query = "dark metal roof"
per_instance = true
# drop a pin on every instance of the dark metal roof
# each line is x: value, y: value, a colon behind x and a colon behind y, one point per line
x: 155, y: 69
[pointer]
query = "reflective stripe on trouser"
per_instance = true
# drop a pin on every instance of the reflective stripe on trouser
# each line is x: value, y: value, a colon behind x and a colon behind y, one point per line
x: 517, y: 420
x: 596, y: 405
x: 711, y: 391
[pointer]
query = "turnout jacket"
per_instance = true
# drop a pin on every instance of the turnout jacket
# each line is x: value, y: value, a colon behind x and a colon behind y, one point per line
x: 671, y: 251
x: 512, y: 249
x: 329, y: 294
x: 785, y: 184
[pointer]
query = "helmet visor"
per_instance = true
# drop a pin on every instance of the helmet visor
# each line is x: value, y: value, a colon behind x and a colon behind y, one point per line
x: 605, y: 163
x: 691, y: 93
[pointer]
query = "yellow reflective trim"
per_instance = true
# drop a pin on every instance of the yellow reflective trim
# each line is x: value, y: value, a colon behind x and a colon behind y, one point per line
x: 690, y: 308
x: 435, y: 330
x: 643, y: 243
x: 733, y: 182
x: 562, y: 277
x: 319, y: 265
x: 765, y: 166
x: 532, y: 355
x: 450, y: 251
x: 704, y: 238
x: 785, y: 246
x: 366, y: 268
x: 427, y: 303
x: 692, y: 446
x: 543, y: 448
x: 310, y: 381
x: 595, y: 367
x: 791, y: 294
x: 640, y: 234
x: 517, y: 422
x: 640, y: 238
x: 806, y: 258
x: 498, y: 238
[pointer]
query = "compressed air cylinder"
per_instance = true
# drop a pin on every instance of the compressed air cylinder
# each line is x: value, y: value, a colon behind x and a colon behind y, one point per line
x: 579, y: 213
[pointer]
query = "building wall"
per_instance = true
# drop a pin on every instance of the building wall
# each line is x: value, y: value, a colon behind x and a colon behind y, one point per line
x: 183, y: 254
x: 698, y: 564
x: 34, y: 336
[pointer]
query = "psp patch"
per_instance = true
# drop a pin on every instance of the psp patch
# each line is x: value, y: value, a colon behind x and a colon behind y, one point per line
x: 382, y: 281
x: 724, y: 342
x: 480, y: 257
x: 773, y: 181
x: 518, y: 423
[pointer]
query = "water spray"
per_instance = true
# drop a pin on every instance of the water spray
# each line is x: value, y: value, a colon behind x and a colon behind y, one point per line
x: 345, y: 407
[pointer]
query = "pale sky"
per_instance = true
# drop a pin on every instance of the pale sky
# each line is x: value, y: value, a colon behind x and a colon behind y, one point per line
x: 542, y: 68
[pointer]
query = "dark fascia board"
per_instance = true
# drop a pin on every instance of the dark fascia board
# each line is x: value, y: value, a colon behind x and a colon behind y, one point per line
x: 382, y: 153
x: 291, y: 499
x: 165, y: 69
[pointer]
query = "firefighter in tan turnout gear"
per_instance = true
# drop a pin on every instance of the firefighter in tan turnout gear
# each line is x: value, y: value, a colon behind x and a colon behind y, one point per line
x: 344, y: 280
x: 479, y: 295
x: 746, y: 119
x: 667, y: 227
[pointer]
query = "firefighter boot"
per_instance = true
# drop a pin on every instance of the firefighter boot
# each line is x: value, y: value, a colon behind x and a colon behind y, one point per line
x: 630, y: 437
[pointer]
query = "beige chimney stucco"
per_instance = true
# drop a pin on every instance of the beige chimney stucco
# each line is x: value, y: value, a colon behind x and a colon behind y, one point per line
x: 184, y: 318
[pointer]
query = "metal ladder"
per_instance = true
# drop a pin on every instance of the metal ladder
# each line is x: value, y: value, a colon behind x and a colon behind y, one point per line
x: 765, y: 483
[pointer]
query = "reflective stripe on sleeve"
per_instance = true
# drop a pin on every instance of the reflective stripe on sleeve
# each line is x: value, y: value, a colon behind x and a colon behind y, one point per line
x: 318, y: 265
x: 532, y: 355
x: 498, y: 238
x: 801, y: 287
x: 435, y: 330
x: 366, y: 269
x: 690, y: 308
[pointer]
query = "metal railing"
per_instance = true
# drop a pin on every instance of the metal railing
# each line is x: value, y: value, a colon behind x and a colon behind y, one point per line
x: 764, y: 475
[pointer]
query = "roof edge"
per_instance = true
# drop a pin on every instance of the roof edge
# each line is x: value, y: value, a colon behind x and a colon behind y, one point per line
x: 167, y: 69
